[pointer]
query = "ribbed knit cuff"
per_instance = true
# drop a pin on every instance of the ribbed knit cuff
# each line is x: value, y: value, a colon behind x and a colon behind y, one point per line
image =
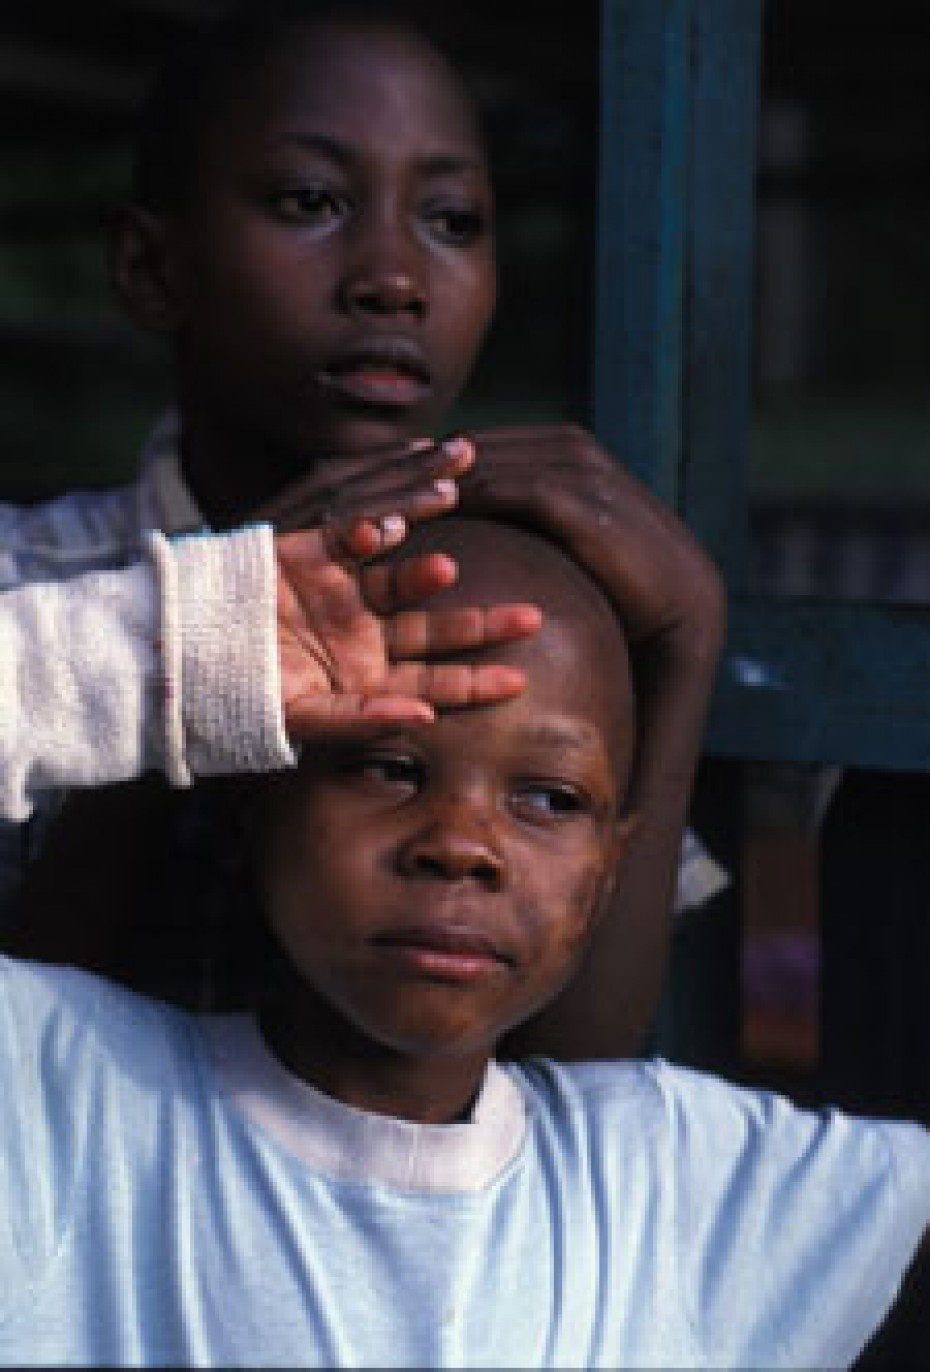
x: 223, y: 708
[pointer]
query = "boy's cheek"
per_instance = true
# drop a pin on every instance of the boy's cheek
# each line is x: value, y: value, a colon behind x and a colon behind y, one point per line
x: 566, y: 914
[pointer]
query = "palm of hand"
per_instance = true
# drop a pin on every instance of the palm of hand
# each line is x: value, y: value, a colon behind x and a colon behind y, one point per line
x: 331, y: 641
x: 355, y: 640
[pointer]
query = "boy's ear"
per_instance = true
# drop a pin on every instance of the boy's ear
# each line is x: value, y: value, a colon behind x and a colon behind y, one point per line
x: 142, y: 270
x: 625, y: 828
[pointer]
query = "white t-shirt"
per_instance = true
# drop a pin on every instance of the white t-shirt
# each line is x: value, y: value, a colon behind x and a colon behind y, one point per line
x: 169, y: 1194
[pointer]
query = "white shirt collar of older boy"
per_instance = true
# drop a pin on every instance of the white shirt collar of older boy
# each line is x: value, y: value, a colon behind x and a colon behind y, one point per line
x: 352, y: 1145
x: 163, y: 500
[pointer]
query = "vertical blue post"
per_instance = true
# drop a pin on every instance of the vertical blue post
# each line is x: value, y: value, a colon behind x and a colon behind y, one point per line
x: 641, y: 235
x: 725, y: 52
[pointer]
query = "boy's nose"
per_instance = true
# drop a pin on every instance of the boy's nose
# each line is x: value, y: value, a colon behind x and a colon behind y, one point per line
x: 386, y: 290
x: 452, y: 847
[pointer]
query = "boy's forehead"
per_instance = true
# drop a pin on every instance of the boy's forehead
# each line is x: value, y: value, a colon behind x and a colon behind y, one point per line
x: 498, y: 560
x: 579, y: 662
x: 369, y: 71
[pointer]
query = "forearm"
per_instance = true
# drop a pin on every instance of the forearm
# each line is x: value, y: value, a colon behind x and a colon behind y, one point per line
x: 171, y: 664
x: 608, y: 1007
x: 675, y: 691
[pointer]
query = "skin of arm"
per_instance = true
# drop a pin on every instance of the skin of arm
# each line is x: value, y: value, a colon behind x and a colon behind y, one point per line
x: 672, y: 603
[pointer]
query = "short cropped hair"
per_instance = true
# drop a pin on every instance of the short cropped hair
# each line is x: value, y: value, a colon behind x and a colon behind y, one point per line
x: 203, y: 76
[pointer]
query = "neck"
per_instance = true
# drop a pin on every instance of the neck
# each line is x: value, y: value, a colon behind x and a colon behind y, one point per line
x: 322, y: 1048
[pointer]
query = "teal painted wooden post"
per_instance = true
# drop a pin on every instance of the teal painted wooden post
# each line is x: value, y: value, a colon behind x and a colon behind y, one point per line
x: 725, y: 79
x: 679, y: 93
x: 641, y: 230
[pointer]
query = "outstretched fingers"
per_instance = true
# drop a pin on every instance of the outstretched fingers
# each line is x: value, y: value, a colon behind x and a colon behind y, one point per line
x: 455, y: 685
x: 414, y: 634
x: 392, y: 586
x: 413, y: 693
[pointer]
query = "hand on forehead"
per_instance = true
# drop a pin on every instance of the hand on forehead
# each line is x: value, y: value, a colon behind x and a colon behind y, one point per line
x: 581, y: 649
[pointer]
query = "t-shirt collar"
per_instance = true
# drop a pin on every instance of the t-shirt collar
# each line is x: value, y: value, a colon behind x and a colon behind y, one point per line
x: 344, y: 1142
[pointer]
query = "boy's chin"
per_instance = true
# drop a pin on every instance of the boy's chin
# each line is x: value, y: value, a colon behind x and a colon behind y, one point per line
x: 426, y: 1040
x: 370, y: 432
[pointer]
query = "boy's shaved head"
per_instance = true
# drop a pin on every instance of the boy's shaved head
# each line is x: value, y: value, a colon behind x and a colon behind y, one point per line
x: 207, y: 74
x: 581, y: 632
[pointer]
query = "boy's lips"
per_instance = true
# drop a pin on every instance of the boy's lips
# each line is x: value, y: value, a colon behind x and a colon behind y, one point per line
x: 444, y: 952
x: 386, y: 372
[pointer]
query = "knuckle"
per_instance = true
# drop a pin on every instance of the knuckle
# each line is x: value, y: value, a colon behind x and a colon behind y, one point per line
x: 331, y: 579
x: 573, y: 440
x: 571, y: 434
x: 583, y: 448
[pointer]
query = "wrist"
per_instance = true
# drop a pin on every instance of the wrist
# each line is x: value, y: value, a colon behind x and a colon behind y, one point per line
x: 229, y: 684
x: 691, y: 640
x: 699, y: 636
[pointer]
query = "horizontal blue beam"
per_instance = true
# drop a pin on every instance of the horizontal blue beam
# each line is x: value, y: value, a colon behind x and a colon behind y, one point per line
x: 811, y: 682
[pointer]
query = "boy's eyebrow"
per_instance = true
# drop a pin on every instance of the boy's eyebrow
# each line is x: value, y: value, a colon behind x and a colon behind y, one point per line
x: 571, y: 737
x: 343, y: 155
x: 449, y: 164
x: 318, y: 142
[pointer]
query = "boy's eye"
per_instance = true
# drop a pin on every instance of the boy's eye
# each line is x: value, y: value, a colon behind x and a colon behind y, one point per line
x: 315, y: 205
x: 386, y: 770
x: 457, y: 224
x: 551, y: 801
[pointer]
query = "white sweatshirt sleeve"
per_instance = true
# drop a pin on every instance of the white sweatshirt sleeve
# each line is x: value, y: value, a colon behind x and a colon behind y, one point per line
x: 171, y: 664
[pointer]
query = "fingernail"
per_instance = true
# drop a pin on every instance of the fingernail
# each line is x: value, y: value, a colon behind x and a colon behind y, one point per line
x: 393, y: 528
x: 459, y: 446
x: 421, y: 445
x: 445, y: 488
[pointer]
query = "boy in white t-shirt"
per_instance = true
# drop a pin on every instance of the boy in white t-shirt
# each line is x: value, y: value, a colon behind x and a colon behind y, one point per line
x: 343, y: 1175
